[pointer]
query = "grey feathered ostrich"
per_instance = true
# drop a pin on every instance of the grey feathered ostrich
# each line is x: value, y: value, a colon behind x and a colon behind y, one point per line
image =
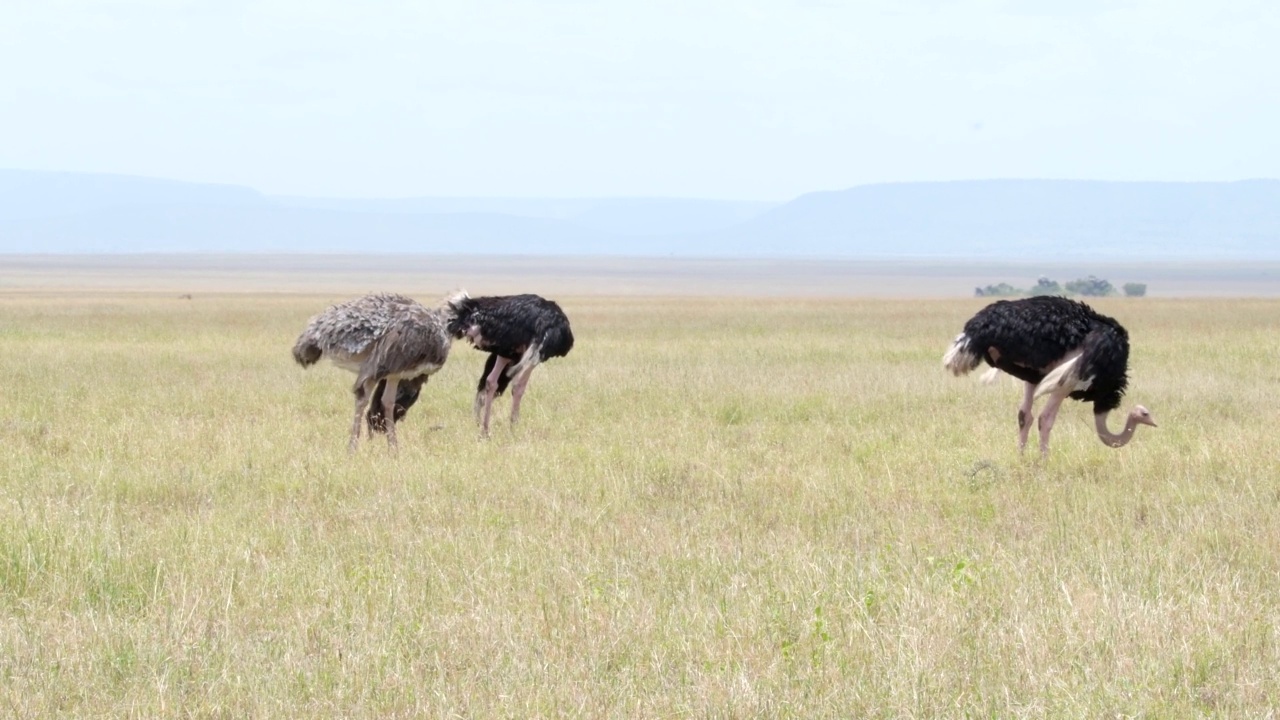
x: 392, y: 344
x: 1058, y: 347
x: 520, y: 329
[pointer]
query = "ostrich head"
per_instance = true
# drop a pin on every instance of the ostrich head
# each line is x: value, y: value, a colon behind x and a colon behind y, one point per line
x: 1139, y: 415
x: 407, y: 392
x: 459, y: 313
x: 457, y: 298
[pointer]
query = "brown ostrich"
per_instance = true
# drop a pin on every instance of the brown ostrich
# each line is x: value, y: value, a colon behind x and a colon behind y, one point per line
x: 393, y: 345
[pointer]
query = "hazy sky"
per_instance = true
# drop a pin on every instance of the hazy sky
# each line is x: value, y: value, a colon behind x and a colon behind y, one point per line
x: 740, y: 99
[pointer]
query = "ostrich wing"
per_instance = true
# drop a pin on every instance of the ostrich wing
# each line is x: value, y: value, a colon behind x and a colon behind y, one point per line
x: 411, y: 344
x: 509, y: 324
x: 1104, y: 362
x: 1098, y: 372
x: 350, y: 328
x: 1033, y: 333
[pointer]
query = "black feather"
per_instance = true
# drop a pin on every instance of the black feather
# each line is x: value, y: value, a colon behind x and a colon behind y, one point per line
x: 508, y: 325
x: 1027, y: 338
x: 515, y: 328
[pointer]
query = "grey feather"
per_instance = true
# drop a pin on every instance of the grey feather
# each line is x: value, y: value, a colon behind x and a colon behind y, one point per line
x: 349, y: 328
x: 381, y: 336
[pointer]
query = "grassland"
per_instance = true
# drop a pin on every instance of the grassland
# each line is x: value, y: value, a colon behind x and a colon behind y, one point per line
x: 712, y: 508
x: 617, y: 276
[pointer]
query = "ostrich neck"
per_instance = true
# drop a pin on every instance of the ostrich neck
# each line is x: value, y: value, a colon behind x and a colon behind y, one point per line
x: 1113, y: 439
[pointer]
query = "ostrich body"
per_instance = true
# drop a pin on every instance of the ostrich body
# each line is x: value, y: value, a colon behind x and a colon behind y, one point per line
x: 1058, y: 347
x: 393, y: 345
x: 518, y: 332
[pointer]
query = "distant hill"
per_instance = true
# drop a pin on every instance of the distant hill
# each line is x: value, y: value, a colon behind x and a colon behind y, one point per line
x: 1022, y: 218
x: 1043, y: 219
x: 76, y: 213
x: 612, y: 216
x: 26, y: 195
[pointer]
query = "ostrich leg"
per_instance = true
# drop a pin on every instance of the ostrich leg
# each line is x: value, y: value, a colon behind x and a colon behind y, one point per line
x: 363, y: 395
x: 389, y: 411
x: 491, y: 389
x: 1024, y: 416
x: 523, y: 369
x: 517, y: 392
x: 1047, y: 416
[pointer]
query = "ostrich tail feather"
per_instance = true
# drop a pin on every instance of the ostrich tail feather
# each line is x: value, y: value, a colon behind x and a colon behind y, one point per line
x: 960, y: 358
x: 306, y: 351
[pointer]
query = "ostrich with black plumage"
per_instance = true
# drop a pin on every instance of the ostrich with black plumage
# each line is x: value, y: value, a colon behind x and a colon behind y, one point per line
x: 519, y: 332
x: 1058, y: 347
x: 392, y: 343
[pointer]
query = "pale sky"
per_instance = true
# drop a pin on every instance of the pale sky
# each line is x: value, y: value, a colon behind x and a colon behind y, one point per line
x: 733, y: 99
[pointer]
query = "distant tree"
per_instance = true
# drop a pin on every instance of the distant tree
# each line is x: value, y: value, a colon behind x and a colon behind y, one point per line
x: 1090, y: 286
x: 1001, y: 290
x: 1135, y: 289
x: 1045, y: 286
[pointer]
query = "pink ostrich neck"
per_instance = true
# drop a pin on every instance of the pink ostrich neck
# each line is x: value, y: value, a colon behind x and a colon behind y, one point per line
x: 1110, y: 438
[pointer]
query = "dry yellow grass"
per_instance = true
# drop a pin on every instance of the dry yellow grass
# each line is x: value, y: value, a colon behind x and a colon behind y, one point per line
x: 718, y: 508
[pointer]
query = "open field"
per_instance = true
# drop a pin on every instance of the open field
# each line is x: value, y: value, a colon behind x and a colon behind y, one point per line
x: 613, y: 276
x: 712, y: 508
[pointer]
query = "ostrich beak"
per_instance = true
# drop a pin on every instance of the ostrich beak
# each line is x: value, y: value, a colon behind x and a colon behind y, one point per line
x: 1143, y: 416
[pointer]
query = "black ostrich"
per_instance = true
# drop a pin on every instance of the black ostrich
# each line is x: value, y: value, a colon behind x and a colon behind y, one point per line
x: 518, y: 332
x: 1058, y: 347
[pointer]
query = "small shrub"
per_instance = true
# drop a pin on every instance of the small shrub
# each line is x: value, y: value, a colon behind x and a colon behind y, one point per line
x: 1001, y: 290
x: 1045, y: 286
x: 1091, y: 287
x: 1133, y: 289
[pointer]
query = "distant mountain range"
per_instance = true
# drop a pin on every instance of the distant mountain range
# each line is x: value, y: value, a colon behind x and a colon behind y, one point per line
x: 46, y: 212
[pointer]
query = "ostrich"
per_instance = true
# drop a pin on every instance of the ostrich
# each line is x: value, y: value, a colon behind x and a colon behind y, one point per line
x: 392, y: 344
x: 520, y: 329
x: 407, y: 392
x: 1058, y: 347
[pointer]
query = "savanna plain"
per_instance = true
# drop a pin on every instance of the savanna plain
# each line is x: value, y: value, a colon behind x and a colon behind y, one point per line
x: 713, y: 507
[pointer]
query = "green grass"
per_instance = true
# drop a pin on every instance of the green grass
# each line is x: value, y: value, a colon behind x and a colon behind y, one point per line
x: 718, y: 508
